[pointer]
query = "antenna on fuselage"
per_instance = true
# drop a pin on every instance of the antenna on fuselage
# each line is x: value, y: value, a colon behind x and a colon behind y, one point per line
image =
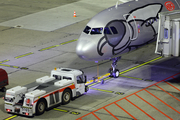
x: 116, y: 4
x: 123, y: 1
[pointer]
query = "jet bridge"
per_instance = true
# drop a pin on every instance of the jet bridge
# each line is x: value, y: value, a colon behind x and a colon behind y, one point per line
x: 168, y: 43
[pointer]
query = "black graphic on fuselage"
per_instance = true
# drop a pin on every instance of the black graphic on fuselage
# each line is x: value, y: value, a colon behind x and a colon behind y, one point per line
x: 121, y: 39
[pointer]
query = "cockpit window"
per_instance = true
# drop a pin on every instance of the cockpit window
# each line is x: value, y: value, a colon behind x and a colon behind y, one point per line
x: 96, y: 31
x: 113, y: 29
x: 107, y: 31
x: 87, y: 30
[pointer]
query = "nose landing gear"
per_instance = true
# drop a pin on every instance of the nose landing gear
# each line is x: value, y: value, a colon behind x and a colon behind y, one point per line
x: 113, y: 71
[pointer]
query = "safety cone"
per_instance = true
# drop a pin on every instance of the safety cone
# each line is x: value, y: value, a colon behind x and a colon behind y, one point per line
x: 74, y: 14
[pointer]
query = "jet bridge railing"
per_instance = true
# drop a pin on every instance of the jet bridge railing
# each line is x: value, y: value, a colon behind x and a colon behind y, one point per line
x: 168, y: 34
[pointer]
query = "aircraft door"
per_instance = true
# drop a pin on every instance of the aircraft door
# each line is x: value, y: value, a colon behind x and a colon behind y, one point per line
x: 131, y: 23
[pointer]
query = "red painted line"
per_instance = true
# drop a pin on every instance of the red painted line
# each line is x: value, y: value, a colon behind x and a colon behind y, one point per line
x: 176, y: 74
x: 84, y: 116
x: 96, y: 116
x: 125, y: 111
x: 111, y: 113
x: 172, y: 86
x: 153, y: 106
x: 132, y: 94
x: 175, y: 78
x: 79, y: 119
x: 104, y: 106
x: 140, y: 109
x: 162, y: 101
x: 167, y: 92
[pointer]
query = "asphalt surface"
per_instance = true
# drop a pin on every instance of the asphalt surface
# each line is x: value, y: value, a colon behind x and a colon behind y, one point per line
x: 148, y: 87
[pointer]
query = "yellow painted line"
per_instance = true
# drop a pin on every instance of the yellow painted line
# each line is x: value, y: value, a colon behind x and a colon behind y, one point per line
x: 9, y: 118
x: 106, y: 75
x: 24, y: 55
x: 68, y: 42
x: 140, y: 65
x: 148, y: 80
x: 24, y: 68
x: 66, y: 111
x: 93, y: 84
x: 9, y: 66
x: 119, y: 93
x: 4, y: 61
x: 130, y: 77
x: 88, y: 82
x: 75, y: 113
x: 58, y: 45
x: 91, y: 81
x: 101, y: 90
x: 107, y: 78
x: 49, y: 47
x: 57, y: 109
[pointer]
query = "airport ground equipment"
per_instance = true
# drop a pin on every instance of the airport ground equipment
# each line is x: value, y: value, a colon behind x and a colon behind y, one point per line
x: 3, y: 79
x: 60, y: 87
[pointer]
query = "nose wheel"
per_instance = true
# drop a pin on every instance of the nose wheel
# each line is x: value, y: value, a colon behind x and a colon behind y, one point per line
x: 113, y: 71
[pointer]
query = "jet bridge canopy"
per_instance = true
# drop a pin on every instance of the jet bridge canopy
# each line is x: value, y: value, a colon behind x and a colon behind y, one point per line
x: 168, y: 34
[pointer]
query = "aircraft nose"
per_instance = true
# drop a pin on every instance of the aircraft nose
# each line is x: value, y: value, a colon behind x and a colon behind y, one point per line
x: 84, y: 50
x: 80, y: 51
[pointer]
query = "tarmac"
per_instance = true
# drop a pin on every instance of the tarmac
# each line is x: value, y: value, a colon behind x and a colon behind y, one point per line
x: 37, y: 36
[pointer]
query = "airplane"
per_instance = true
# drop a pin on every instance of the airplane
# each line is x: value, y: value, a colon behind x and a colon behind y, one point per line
x: 120, y: 29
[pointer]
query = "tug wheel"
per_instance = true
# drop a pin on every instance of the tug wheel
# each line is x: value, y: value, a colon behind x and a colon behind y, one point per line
x: 40, y: 107
x: 66, y: 96
x: 3, y: 89
x: 86, y: 88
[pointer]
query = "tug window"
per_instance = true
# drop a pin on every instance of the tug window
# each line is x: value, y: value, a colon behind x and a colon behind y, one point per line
x: 57, y: 77
x: 113, y: 29
x: 96, y: 31
x: 107, y: 31
x: 79, y: 79
x: 87, y: 30
x: 65, y: 77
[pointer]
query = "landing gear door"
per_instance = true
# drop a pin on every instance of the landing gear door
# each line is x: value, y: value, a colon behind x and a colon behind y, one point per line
x: 131, y: 23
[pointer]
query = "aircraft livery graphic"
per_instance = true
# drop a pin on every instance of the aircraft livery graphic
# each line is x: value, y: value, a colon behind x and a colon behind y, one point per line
x: 122, y: 28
